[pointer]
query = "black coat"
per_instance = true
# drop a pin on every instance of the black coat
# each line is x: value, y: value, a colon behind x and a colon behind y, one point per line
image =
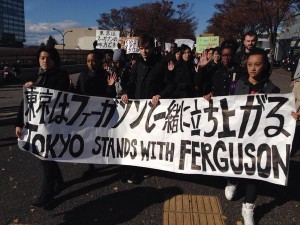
x: 243, y: 87
x: 203, y: 77
x: 147, y: 78
x: 222, y: 79
x: 95, y: 84
x: 54, y: 79
x: 183, y: 78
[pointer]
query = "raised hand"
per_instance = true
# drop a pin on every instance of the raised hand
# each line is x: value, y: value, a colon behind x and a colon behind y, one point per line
x: 111, y: 79
x: 171, y: 65
x: 203, y: 60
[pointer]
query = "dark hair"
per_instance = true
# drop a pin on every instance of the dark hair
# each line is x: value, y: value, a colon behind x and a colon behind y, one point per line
x: 183, y: 47
x: 98, y: 54
x: 53, y: 53
x: 232, y: 44
x: 146, y: 40
x: 174, y: 45
x: 250, y: 33
x: 218, y: 50
x: 176, y: 50
x: 259, y: 51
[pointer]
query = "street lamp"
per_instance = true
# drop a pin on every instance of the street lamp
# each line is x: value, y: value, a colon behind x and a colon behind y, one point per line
x: 63, y: 36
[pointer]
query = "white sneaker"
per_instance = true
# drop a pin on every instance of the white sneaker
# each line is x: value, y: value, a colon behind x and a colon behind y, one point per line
x: 230, y: 190
x: 247, y: 213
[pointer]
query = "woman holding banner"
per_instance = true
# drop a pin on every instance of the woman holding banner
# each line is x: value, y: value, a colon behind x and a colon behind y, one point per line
x: 181, y: 76
x: 95, y: 81
x: 257, y: 81
x: 49, y: 76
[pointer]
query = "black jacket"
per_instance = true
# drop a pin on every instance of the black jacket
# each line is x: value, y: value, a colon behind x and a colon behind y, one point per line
x: 222, y: 79
x: 95, y: 84
x: 54, y: 79
x: 147, y: 78
x: 181, y: 81
x: 203, y: 77
x: 243, y: 87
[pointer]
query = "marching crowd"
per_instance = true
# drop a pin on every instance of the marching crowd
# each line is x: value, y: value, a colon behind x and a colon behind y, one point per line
x: 152, y: 74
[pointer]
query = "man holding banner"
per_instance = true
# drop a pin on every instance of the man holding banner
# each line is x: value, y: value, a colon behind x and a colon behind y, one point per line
x: 146, y: 82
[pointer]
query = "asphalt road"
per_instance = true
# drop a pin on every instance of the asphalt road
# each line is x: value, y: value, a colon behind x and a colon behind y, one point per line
x: 104, y: 199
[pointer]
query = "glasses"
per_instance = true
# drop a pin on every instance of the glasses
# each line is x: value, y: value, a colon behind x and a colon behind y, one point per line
x: 226, y: 56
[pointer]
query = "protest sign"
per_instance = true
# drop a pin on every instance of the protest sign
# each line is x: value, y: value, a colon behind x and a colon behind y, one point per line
x: 107, y: 39
x: 168, y: 47
x: 246, y: 136
x: 187, y: 42
x: 132, y: 45
x: 203, y: 43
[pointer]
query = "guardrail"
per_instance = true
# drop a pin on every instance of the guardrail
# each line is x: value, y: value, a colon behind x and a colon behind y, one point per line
x: 27, y: 73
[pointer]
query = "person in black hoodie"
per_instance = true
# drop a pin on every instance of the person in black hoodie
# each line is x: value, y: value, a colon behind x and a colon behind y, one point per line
x: 49, y: 76
x: 95, y: 81
x: 256, y: 81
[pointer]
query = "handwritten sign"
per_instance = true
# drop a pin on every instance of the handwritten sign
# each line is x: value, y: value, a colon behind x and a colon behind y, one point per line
x: 132, y: 46
x: 206, y: 42
x: 107, y: 39
x: 247, y: 136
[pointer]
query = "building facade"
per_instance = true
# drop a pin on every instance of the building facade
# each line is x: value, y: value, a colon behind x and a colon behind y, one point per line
x: 12, y: 23
x: 289, y: 36
x: 77, y: 38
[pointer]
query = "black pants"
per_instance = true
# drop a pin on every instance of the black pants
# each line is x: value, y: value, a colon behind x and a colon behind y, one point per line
x: 51, y: 176
x: 250, y: 189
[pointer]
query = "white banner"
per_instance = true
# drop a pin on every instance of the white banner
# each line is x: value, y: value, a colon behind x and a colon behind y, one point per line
x: 247, y: 136
x: 107, y: 39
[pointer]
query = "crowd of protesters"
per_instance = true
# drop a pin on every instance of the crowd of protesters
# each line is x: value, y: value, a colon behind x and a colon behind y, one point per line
x: 155, y: 75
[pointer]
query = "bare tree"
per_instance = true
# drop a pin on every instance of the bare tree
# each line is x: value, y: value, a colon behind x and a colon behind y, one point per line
x: 164, y: 20
x: 235, y: 17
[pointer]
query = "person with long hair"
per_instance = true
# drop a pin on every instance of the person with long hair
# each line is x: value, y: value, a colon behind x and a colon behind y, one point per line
x: 181, y: 76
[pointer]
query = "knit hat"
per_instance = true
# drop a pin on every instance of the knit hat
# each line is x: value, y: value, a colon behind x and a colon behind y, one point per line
x: 117, y: 55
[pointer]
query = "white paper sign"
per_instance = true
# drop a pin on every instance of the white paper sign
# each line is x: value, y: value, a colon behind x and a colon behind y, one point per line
x: 132, y: 46
x: 107, y: 39
x: 187, y: 42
